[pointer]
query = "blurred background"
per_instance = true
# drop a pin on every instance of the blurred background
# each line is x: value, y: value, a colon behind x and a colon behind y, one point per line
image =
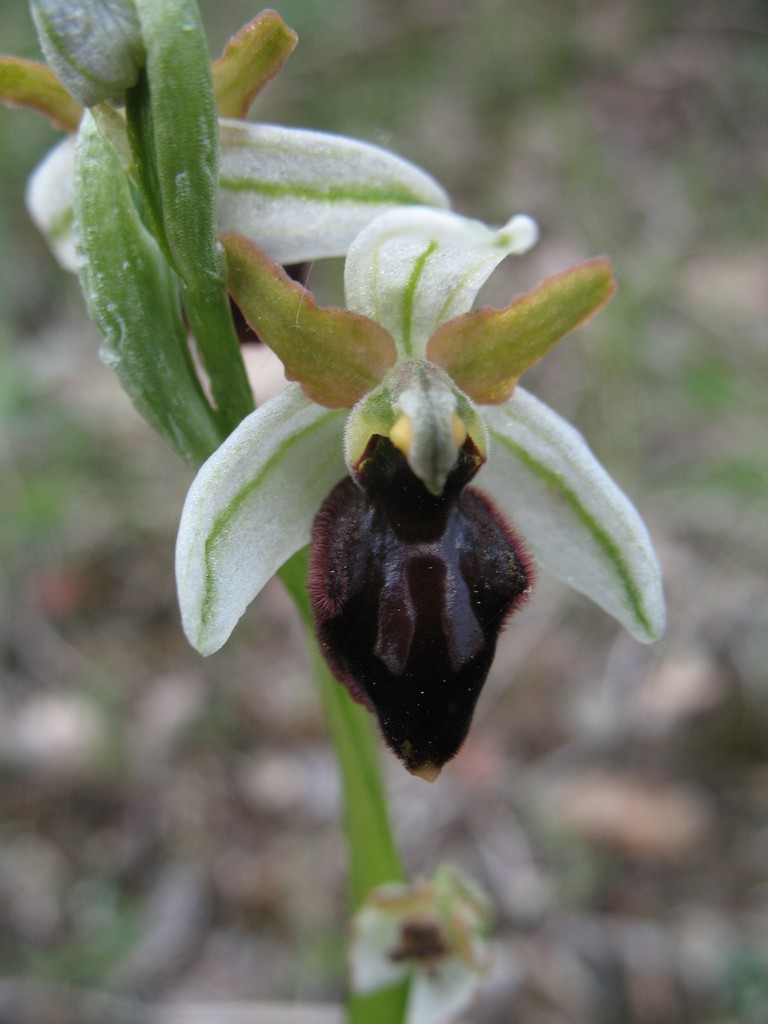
x: 169, y: 830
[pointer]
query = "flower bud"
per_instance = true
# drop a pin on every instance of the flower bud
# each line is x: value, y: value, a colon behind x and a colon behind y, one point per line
x: 94, y: 46
x: 433, y: 932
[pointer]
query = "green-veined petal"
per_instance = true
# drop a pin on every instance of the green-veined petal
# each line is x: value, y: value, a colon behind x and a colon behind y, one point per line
x: 49, y: 201
x: 304, y: 195
x: 577, y: 521
x: 250, y: 507
x: 414, y: 268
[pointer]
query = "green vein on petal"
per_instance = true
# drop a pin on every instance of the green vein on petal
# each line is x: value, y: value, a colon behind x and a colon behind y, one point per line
x: 578, y: 522
x: 224, y: 519
x: 601, y: 536
x: 409, y: 297
x: 303, y: 195
x: 391, y: 195
x: 414, y: 267
x: 250, y: 508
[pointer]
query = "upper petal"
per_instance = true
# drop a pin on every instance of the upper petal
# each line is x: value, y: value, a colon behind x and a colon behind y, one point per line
x: 303, y: 195
x: 577, y: 521
x: 250, y: 508
x: 414, y: 268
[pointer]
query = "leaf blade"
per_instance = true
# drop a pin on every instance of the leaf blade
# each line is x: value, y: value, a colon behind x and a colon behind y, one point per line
x: 132, y: 297
x: 173, y: 135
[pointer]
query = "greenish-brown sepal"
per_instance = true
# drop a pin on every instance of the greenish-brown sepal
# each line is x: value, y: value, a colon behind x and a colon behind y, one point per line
x: 335, y: 355
x: 25, y: 83
x: 249, y: 60
x: 487, y: 351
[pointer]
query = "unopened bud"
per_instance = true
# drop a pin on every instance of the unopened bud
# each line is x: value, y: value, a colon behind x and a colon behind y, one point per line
x: 94, y: 46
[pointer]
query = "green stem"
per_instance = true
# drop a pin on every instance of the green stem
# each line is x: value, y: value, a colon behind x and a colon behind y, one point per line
x: 373, y: 855
x: 210, y: 319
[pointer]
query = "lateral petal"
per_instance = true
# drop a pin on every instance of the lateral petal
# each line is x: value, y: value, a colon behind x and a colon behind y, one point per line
x: 577, y: 521
x: 251, y: 507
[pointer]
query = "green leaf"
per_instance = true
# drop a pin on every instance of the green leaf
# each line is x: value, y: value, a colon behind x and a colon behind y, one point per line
x: 132, y: 297
x: 303, y: 195
x: 250, y: 508
x: 336, y: 356
x: 249, y: 60
x: 23, y: 83
x: 578, y: 523
x: 487, y: 351
x: 413, y: 269
x: 173, y: 133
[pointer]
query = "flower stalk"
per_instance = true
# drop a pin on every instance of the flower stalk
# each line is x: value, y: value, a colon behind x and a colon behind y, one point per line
x: 372, y: 855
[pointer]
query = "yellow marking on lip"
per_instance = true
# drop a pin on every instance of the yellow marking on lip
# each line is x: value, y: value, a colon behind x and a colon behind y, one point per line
x: 401, y: 434
x: 459, y: 430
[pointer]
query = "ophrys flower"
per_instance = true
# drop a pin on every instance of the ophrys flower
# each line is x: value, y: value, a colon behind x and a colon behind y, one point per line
x: 412, y: 573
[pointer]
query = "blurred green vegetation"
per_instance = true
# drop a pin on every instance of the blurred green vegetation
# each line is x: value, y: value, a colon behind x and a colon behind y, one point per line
x: 633, y: 129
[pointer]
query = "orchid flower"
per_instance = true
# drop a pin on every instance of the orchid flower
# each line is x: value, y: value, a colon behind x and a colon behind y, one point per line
x: 432, y: 931
x: 397, y: 403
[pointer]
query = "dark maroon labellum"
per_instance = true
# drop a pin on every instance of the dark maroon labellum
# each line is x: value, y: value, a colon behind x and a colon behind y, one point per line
x: 409, y: 592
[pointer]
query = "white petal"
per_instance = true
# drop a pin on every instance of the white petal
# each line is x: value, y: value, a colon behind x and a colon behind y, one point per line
x: 576, y: 520
x: 302, y: 195
x: 375, y: 933
x: 438, y: 997
x: 251, y: 507
x: 49, y: 200
x: 414, y: 268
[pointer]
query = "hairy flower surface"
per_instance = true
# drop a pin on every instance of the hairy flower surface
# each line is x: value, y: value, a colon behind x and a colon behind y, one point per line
x: 413, y: 571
